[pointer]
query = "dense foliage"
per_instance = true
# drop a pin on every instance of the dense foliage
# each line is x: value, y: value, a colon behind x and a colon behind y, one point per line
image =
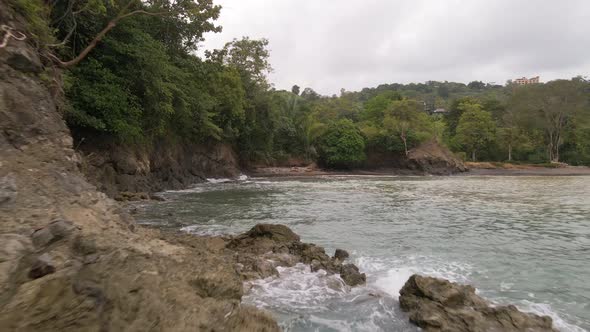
x: 131, y: 74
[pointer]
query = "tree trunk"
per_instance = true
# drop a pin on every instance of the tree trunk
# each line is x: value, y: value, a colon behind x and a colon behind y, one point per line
x: 473, y: 155
x: 509, y: 152
x: 404, y: 139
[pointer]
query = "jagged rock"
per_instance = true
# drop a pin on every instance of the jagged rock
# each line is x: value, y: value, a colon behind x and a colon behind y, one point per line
x: 55, y: 231
x: 439, y: 305
x: 433, y: 158
x: 279, y: 244
x: 131, y: 196
x: 42, y: 266
x: 341, y: 254
x: 351, y: 275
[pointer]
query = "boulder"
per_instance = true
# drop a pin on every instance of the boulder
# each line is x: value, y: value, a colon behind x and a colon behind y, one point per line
x: 341, y: 254
x: 277, y: 233
x: 440, y: 305
x: 351, y: 275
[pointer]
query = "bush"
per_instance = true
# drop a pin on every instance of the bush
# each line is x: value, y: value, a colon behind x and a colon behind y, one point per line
x: 342, y: 145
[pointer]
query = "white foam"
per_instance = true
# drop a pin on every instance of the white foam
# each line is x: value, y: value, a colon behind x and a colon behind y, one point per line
x: 394, y: 280
x: 546, y: 310
x: 218, y: 180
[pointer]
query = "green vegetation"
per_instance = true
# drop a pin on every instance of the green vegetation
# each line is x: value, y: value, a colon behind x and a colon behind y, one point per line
x: 131, y: 74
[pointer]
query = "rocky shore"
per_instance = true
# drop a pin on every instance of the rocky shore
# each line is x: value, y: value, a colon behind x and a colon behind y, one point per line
x: 439, y: 305
x: 71, y: 259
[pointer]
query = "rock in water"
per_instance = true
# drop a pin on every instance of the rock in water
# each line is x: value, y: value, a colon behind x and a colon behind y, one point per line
x: 351, y: 275
x: 266, y: 243
x: 341, y: 254
x: 440, y: 305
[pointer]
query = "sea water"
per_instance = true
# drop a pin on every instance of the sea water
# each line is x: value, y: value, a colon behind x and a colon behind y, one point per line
x: 518, y: 240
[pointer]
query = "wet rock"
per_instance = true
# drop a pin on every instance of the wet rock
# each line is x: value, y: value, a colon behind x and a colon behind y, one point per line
x: 128, y: 196
x: 341, y: 254
x: 42, y: 266
x: 255, y: 267
x: 351, y: 275
x: 439, y: 305
x: 277, y: 233
x: 157, y: 198
x: 53, y: 232
x: 281, y: 246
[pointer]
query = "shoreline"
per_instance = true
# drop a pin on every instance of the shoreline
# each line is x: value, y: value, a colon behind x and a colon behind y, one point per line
x: 271, y: 172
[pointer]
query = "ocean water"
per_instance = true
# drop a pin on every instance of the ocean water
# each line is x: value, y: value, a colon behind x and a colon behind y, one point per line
x: 519, y: 240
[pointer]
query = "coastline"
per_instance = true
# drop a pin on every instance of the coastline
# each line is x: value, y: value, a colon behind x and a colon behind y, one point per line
x: 271, y: 172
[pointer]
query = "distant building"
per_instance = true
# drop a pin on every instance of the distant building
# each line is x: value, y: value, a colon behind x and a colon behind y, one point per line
x: 525, y: 81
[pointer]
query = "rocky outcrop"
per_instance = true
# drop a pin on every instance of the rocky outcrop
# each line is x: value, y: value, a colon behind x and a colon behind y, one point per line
x: 70, y: 258
x: 439, y: 305
x: 115, y: 168
x: 433, y: 158
x: 267, y: 246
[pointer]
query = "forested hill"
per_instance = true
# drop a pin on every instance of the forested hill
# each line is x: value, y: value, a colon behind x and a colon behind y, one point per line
x: 130, y: 74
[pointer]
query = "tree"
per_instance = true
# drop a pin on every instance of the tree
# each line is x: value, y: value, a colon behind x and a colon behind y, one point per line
x: 456, y: 109
x: 190, y: 19
x: 295, y: 89
x: 476, y: 85
x: 406, y: 117
x: 249, y: 57
x: 342, y: 145
x: 475, y: 129
x: 552, y: 107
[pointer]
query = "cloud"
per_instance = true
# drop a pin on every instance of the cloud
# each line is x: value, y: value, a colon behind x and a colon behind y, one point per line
x: 331, y: 44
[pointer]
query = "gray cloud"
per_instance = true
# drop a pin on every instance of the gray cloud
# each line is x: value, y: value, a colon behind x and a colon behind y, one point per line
x: 333, y: 44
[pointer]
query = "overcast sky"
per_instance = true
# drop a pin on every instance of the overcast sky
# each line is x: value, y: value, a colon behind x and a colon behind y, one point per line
x: 333, y: 44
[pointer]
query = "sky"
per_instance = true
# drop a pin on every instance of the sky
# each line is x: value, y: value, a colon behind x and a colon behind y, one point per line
x: 332, y: 44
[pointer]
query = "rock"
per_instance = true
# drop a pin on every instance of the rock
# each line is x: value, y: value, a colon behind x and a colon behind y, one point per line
x: 41, y: 267
x: 433, y: 158
x: 13, y: 247
x: 8, y: 189
x: 280, y: 245
x: 131, y: 196
x: 213, y: 286
x: 341, y: 254
x: 439, y: 305
x: 351, y: 275
x: 157, y: 198
x: 55, y: 231
x: 23, y: 59
x: 277, y: 233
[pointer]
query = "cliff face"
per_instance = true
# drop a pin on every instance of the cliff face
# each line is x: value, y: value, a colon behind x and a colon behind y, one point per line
x: 117, y: 168
x: 70, y: 258
x: 430, y: 157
